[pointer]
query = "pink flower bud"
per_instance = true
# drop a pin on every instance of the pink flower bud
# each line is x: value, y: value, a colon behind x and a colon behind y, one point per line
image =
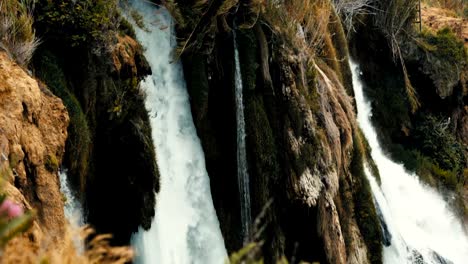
x: 15, y: 211
x: 10, y: 209
x: 5, y: 206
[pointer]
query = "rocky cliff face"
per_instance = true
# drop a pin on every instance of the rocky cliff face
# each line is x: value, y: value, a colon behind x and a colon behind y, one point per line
x: 305, y: 152
x: 33, y: 130
x: 115, y: 167
x: 95, y: 66
x: 308, y: 190
x: 431, y: 139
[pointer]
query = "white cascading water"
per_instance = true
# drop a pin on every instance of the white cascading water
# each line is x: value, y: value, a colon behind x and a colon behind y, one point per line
x: 242, y: 174
x: 73, y: 209
x: 422, y: 226
x: 185, y: 228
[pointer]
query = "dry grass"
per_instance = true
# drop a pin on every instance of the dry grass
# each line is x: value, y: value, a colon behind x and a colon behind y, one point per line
x: 456, y: 6
x: 98, y: 250
x: 17, y: 35
x: 350, y: 9
x: 302, y: 23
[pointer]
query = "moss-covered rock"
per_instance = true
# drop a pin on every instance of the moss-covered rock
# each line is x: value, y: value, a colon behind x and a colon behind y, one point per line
x: 110, y: 153
x: 49, y: 70
x: 299, y: 128
x: 442, y: 57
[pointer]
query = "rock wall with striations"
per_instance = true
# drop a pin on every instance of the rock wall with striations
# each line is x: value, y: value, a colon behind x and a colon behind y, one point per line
x: 33, y: 130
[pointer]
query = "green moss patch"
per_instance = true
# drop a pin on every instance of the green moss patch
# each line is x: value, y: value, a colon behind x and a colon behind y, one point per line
x: 79, y: 135
x: 445, y: 44
x: 51, y: 163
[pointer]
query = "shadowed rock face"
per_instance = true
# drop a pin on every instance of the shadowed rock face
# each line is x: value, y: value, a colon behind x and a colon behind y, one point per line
x: 300, y: 126
x: 33, y: 130
x: 117, y: 173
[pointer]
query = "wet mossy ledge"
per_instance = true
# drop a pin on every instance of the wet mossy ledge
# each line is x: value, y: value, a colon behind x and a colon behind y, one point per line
x: 88, y: 58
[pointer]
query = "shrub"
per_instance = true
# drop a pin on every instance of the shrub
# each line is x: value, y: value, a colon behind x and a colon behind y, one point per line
x: 427, y: 168
x: 446, y: 45
x: 17, y: 36
x: 80, y: 23
x: 433, y: 138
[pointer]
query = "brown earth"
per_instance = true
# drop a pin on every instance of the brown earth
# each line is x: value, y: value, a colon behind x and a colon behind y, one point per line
x: 33, y: 130
x: 437, y: 18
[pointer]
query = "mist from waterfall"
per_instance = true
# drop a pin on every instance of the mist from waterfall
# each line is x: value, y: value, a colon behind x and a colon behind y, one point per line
x: 242, y: 174
x: 185, y: 228
x: 422, y: 226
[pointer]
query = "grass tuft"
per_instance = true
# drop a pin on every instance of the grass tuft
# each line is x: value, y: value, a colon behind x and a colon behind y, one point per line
x: 17, y: 36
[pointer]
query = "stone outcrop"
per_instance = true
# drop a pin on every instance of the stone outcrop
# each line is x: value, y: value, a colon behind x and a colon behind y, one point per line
x: 33, y: 130
x: 110, y: 153
x: 300, y: 130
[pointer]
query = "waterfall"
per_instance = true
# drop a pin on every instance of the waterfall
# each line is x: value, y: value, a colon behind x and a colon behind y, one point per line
x: 185, y: 228
x: 422, y: 227
x: 242, y: 174
x: 73, y: 210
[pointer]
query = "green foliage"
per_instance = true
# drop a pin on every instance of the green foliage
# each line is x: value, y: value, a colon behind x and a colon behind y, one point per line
x: 79, y: 22
x: 434, y: 154
x: 51, y: 163
x: 449, y: 178
x: 433, y: 138
x: 445, y: 44
x: 17, y: 35
x: 425, y: 167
